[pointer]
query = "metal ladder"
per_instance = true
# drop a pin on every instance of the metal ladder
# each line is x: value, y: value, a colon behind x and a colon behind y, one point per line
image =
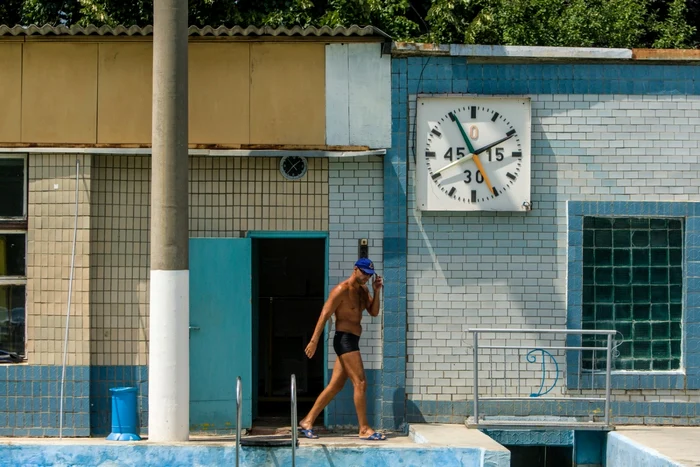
x: 294, y: 420
x: 239, y: 401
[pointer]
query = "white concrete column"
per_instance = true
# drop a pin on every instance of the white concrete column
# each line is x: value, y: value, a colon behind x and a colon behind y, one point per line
x: 169, y: 360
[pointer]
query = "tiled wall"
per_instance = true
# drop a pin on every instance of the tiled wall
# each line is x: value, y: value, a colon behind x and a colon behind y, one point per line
x: 109, y: 313
x: 51, y: 212
x: 508, y: 269
x: 228, y: 196
x: 119, y: 263
x: 30, y: 400
x: 29, y: 394
x: 356, y: 212
x: 511, y: 270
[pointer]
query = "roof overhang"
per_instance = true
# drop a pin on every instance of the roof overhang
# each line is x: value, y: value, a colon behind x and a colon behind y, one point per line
x: 354, y: 31
x: 328, y: 153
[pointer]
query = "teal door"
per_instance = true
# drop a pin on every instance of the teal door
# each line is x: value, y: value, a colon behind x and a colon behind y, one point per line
x: 220, y: 332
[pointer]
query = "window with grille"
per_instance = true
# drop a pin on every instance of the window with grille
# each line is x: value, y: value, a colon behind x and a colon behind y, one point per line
x: 633, y: 283
x: 13, y: 263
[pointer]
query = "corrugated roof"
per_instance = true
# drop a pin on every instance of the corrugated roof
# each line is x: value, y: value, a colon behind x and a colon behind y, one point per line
x: 90, y: 30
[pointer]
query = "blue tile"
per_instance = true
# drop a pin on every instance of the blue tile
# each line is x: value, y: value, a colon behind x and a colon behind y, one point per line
x: 462, y: 86
x: 662, y: 381
x: 646, y: 381
x: 693, y: 299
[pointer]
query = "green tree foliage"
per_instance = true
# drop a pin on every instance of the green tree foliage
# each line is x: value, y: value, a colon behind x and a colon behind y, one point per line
x: 11, y: 11
x: 674, y: 31
x: 576, y: 23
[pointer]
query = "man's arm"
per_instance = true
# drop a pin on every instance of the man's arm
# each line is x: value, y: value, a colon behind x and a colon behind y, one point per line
x: 373, y: 307
x: 328, y: 309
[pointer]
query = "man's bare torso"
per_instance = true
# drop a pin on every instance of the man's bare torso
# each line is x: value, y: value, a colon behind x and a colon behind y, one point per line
x: 354, y: 299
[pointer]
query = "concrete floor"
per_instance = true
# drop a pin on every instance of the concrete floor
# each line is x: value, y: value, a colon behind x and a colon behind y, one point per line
x: 427, y: 445
x: 440, y: 434
x: 434, y: 434
x: 680, y: 444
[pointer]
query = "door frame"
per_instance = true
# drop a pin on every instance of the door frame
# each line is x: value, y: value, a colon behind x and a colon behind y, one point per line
x: 300, y: 234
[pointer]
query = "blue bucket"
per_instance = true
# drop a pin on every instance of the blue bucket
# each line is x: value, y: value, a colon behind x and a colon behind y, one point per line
x: 125, y: 425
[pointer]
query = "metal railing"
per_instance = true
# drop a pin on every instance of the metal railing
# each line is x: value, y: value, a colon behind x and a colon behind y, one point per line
x: 294, y: 420
x: 504, y: 355
x: 239, y: 401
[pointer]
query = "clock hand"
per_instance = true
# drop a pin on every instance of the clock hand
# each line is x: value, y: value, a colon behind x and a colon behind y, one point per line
x: 483, y: 173
x: 474, y: 153
x: 452, y: 164
x: 481, y: 167
x: 489, y: 146
x: 454, y: 118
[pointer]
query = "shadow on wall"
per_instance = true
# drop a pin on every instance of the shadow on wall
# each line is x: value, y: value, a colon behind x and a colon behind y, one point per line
x: 412, y: 413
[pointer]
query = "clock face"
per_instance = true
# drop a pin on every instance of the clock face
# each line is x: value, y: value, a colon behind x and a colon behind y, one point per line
x: 293, y: 167
x: 473, y: 154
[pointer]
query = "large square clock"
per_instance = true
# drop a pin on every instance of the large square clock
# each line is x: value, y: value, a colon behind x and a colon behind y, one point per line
x: 473, y: 154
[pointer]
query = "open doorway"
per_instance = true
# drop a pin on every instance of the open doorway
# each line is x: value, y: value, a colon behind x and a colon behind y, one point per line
x: 289, y: 276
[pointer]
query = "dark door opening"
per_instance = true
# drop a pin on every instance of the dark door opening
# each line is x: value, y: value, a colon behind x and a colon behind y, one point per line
x: 287, y: 300
x: 541, y: 456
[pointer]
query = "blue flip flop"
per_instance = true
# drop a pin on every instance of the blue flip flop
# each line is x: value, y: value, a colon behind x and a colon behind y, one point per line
x: 376, y: 436
x: 308, y: 433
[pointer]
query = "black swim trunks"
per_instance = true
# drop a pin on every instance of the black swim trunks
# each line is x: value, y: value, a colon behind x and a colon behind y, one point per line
x: 344, y: 342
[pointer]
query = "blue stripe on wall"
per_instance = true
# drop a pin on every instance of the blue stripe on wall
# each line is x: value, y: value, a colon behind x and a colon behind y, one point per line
x: 30, y: 400
x: 393, y: 375
x: 455, y: 75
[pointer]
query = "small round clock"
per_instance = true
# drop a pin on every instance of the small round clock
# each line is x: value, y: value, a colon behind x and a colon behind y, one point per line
x: 473, y: 154
x: 293, y: 167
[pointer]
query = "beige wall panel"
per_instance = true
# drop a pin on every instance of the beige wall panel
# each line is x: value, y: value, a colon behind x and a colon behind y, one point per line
x: 124, y: 92
x: 287, y: 95
x: 219, y: 97
x: 10, y: 92
x: 59, y: 93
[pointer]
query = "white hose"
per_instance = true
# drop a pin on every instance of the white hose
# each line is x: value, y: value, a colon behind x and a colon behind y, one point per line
x: 70, y: 293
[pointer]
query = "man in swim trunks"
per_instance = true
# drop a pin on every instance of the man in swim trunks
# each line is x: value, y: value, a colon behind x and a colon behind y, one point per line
x: 347, y: 301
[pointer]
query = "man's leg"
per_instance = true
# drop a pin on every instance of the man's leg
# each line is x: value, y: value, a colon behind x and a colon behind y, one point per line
x: 352, y: 362
x: 335, y: 385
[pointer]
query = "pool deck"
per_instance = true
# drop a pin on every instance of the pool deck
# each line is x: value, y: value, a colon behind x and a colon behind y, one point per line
x: 679, y: 445
x: 453, y: 435
x: 426, y: 444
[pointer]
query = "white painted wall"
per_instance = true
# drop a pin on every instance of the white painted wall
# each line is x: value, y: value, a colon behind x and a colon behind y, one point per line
x: 509, y: 269
x: 358, y: 95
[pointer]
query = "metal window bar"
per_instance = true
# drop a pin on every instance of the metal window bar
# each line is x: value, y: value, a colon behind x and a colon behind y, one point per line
x: 239, y: 401
x: 294, y: 420
x: 562, y: 351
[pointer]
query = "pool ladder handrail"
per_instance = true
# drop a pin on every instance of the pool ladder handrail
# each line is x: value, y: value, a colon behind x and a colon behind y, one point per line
x: 239, y: 401
x: 294, y: 419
